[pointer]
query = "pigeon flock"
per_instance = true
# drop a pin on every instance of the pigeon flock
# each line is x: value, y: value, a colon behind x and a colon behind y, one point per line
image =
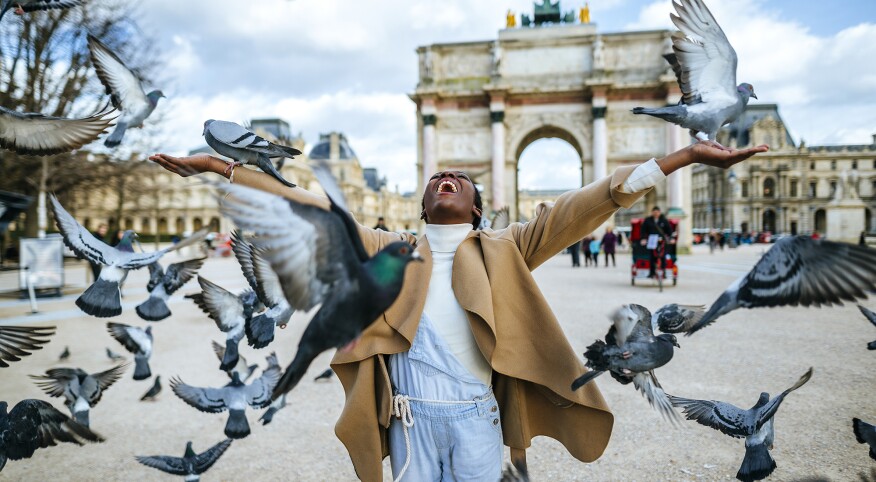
x: 299, y: 257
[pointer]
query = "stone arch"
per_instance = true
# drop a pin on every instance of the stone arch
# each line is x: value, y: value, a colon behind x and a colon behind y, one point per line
x: 820, y: 221
x: 197, y: 223
x: 214, y: 224
x: 769, y: 220
x: 180, y: 225
x: 769, y: 187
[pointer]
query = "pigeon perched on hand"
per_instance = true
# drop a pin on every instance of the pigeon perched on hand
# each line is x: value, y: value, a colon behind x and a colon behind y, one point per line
x: 124, y: 89
x: 137, y: 341
x: 234, y: 397
x: 103, y: 298
x: 705, y: 65
x: 872, y: 317
x: 229, y: 311
x: 163, y: 284
x: 190, y: 465
x: 35, y: 424
x: 631, y: 353
x: 64, y: 354
x: 81, y: 390
x: 259, y: 329
x: 865, y: 434
x: 755, y: 424
x: 797, y: 270
x: 22, y: 6
x: 153, y: 391
x: 233, y: 141
x: 320, y: 259
x: 243, y: 369
x: 20, y: 341
x: 40, y: 135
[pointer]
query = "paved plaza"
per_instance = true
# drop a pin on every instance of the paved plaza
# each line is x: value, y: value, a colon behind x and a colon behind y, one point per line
x: 744, y: 353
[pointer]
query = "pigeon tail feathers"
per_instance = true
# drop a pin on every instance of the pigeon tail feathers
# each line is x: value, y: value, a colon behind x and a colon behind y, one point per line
x: 259, y: 330
x: 871, y: 345
x: 674, y: 113
x: 102, y: 299
x: 266, y: 165
x: 758, y: 464
x: 141, y: 368
x: 117, y: 135
x: 81, y: 417
x: 585, y: 378
x: 229, y: 360
x: 237, y: 426
x: 724, y: 304
x: 153, y: 309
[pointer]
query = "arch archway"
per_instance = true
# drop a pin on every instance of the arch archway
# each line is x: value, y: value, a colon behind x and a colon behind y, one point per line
x: 820, y: 221
x: 769, y: 220
x: 769, y: 187
x: 538, y: 148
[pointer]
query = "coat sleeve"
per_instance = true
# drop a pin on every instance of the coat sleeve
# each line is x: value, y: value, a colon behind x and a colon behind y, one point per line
x: 373, y: 239
x: 573, y: 216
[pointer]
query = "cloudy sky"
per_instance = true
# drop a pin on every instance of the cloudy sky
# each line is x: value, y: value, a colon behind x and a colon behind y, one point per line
x: 348, y: 65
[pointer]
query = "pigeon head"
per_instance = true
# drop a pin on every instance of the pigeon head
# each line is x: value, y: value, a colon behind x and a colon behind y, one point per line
x: 388, y: 266
x: 189, y: 451
x: 126, y: 243
x: 207, y: 125
x: 670, y: 339
x: 154, y: 96
x: 762, y: 400
x: 149, y: 331
x: 747, y: 90
x: 235, y: 378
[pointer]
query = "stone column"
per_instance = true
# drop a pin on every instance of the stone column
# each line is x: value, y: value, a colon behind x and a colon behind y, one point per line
x: 497, y: 179
x: 600, y: 136
x: 430, y: 160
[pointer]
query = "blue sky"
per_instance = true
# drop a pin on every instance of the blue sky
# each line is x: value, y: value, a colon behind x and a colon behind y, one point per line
x: 348, y: 65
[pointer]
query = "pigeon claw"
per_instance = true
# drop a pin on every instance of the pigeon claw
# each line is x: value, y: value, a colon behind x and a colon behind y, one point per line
x: 231, y: 166
x: 18, y: 10
x: 626, y: 355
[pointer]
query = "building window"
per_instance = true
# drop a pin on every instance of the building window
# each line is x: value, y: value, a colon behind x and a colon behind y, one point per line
x: 793, y: 188
x: 833, y: 165
x: 854, y: 164
x: 812, y: 166
x: 769, y: 187
x: 813, y: 189
x: 832, y: 188
x: 744, y: 188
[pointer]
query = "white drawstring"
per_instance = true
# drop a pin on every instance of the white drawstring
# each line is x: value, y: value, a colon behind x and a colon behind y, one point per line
x: 401, y: 409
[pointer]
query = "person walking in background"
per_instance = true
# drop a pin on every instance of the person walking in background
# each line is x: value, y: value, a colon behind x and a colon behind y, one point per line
x: 575, y: 251
x: 100, y: 234
x: 609, y: 239
x: 585, y: 246
x: 594, y: 251
x: 862, y: 241
x: 381, y: 224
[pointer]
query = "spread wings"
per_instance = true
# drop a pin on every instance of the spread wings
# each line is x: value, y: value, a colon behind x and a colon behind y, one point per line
x: 258, y: 393
x: 19, y: 341
x: 724, y: 417
x: 41, y: 135
x: 222, y: 306
x: 134, y: 339
x: 120, y: 82
x: 210, y: 400
x: 179, y: 274
x: 34, y: 424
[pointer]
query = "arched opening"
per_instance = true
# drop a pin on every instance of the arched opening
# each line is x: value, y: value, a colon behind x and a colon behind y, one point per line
x: 146, y: 226
x: 548, y: 164
x: 868, y: 220
x: 820, y: 221
x: 128, y: 224
x: 769, y: 220
x: 180, y: 225
x: 197, y: 224
x: 769, y: 188
x: 744, y: 227
x: 162, y: 225
x: 214, y: 224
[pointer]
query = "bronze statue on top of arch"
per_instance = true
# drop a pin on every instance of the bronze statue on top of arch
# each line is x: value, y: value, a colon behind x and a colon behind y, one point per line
x: 549, y: 13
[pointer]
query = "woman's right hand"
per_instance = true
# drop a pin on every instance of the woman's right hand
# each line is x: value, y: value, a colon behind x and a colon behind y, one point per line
x: 189, y: 165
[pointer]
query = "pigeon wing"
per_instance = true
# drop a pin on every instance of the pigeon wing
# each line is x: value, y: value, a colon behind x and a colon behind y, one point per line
x: 156, y: 275
x: 19, y: 341
x: 235, y: 135
x: 501, y: 220
x: 269, y: 291
x: 78, y: 239
x: 204, y: 399
x: 219, y: 350
x: 707, y: 60
x: 33, y: 6
x: 769, y: 410
x: 649, y: 386
x: 258, y: 393
x: 35, y: 424
x: 55, y: 381
x: 222, y: 306
x: 675, y: 318
x: 339, y: 205
x: 134, y: 339
x: 867, y: 313
x: 243, y: 252
x: 179, y: 274
x: 40, y: 135
x: 106, y: 378
x: 206, y: 459
x: 164, y: 463
x: 121, y: 84
x: 721, y: 416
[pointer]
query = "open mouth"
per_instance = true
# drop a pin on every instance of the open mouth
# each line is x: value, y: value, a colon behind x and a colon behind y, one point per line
x: 446, y: 187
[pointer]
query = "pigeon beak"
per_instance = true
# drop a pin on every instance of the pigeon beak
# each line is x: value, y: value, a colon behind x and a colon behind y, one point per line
x: 754, y: 95
x: 416, y: 256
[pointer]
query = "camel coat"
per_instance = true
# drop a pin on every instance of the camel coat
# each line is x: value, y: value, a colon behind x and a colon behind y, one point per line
x: 533, y: 362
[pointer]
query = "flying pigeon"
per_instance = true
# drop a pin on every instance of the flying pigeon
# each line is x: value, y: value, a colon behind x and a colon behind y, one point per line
x: 244, y: 371
x: 229, y: 311
x: 234, y: 397
x: 40, y: 135
x: 705, y: 64
x: 190, y: 465
x: 81, y: 390
x: 865, y: 434
x: 124, y: 89
x: 259, y: 329
x: 113, y: 355
x: 22, y: 6
x: 872, y: 317
x: 103, y: 298
x: 754, y: 424
x: 319, y: 259
x: 35, y: 424
x: 516, y: 472
x: 501, y: 219
x: 153, y: 391
x: 670, y: 318
x: 64, y: 354
x: 233, y: 141
x: 137, y: 341
x: 163, y: 284
x: 327, y: 374
x: 631, y: 353
x: 19, y: 341
x: 277, y: 404
x: 797, y: 270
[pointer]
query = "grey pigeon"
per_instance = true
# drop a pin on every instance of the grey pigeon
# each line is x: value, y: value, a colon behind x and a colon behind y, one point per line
x: 137, y: 341
x: 81, y: 390
x: 22, y: 6
x: 320, y: 259
x: 259, y: 329
x: 631, y: 353
x: 675, y: 318
x: 754, y: 424
x: 517, y: 472
x: 124, y: 88
x: 113, y: 355
x: 327, y: 374
x: 163, y: 284
x: 277, y: 404
x: 233, y: 141
x: 865, y: 434
x: 35, y: 424
x: 229, y: 311
x: 103, y: 298
x: 190, y: 465
x: 244, y: 370
x: 872, y: 317
x: 40, y: 135
x: 797, y: 270
x: 501, y: 219
x: 20, y: 341
x: 64, y: 354
x: 234, y: 397
x: 705, y: 65
x: 153, y: 391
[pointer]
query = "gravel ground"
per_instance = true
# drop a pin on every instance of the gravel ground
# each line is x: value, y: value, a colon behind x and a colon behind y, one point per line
x: 743, y: 354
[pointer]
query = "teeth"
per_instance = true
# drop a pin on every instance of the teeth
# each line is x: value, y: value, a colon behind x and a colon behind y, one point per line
x: 446, y: 183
